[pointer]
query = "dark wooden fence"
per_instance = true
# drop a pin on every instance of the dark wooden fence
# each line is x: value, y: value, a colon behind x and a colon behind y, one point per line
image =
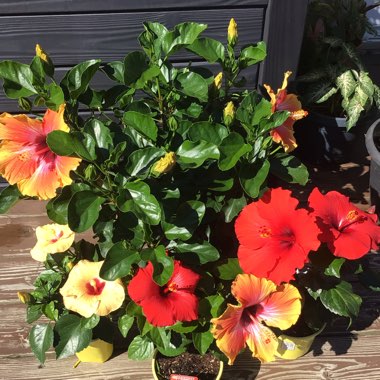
x: 75, y: 30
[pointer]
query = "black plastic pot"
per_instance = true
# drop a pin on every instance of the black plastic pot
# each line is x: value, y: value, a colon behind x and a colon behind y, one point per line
x: 372, y: 142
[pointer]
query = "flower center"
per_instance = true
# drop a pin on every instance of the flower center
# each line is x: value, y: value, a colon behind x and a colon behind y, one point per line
x: 57, y: 237
x: 265, y: 232
x: 250, y: 314
x: 352, y: 217
x: 95, y: 287
x: 25, y: 156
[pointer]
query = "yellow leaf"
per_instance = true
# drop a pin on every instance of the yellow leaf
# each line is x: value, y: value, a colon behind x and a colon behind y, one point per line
x: 98, y: 351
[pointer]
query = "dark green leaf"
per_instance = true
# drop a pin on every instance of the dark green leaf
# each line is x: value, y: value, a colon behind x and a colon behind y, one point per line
x: 202, y: 341
x: 99, y: 132
x: 18, y: 79
x: 252, y: 177
x: 163, y: 265
x: 136, y: 197
x: 143, y: 124
x: 231, y: 149
x: 209, y: 49
x: 289, y: 169
x: 83, y: 210
x: 194, y: 154
x: 341, y: 300
x: 204, y: 251
x: 40, y: 340
x: 252, y: 54
x: 141, y: 348
x: 8, y: 197
x: 76, y: 80
x: 253, y: 109
x: 140, y: 160
x: 206, y: 131
x: 73, y: 337
x: 334, y: 268
x: 118, y: 262
x: 125, y: 323
x: 115, y: 71
x: 56, y: 96
x: 91, y: 322
x: 135, y: 63
x: 60, y: 143
x: 233, y: 207
x: 229, y: 270
x: 192, y: 84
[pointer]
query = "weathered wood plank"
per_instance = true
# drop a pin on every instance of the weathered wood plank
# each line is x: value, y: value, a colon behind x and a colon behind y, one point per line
x: 70, y: 39
x: 92, y: 6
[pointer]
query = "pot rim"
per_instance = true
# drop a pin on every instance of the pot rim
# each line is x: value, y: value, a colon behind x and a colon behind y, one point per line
x: 218, y: 376
x: 370, y: 144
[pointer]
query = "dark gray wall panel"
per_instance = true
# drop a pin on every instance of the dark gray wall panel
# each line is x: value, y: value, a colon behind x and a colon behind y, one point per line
x: 72, y: 38
x: 90, y: 6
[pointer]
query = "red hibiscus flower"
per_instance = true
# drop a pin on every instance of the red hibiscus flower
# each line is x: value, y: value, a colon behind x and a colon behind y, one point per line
x: 275, y: 238
x: 348, y: 231
x: 168, y: 304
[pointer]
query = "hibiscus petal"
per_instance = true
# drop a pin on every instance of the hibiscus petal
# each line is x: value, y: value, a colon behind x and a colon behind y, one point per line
x: 53, y: 121
x: 111, y: 298
x: 282, y: 308
x: 142, y: 286
x: 184, y: 306
x: 351, y: 244
x: 284, y: 136
x: 229, y: 333
x: 262, y: 342
x: 184, y: 277
x: 250, y: 290
x: 158, y: 311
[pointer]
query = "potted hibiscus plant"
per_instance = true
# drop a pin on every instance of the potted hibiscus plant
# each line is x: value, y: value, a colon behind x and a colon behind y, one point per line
x: 191, y: 250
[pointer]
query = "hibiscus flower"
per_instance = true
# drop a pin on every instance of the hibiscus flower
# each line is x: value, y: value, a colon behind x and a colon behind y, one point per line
x: 51, y: 238
x: 26, y: 159
x: 168, y: 304
x: 260, y: 300
x: 275, y: 237
x: 86, y: 293
x: 348, y: 231
x: 282, y: 101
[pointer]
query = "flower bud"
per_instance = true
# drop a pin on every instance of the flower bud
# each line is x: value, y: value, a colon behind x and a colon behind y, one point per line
x: 229, y: 114
x: 232, y: 34
x: 23, y: 297
x: 218, y: 81
x: 69, y: 266
x: 40, y: 53
x: 164, y: 164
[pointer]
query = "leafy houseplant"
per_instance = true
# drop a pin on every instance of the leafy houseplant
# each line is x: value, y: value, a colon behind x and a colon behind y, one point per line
x: 331, y: 72
x: 159, y: 169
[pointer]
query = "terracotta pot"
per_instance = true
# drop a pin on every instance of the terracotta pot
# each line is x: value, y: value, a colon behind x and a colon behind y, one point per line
x: 155, y: 376
x: 371, y: 137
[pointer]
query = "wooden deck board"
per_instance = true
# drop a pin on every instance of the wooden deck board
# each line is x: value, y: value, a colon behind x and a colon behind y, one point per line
x: 337, y: 354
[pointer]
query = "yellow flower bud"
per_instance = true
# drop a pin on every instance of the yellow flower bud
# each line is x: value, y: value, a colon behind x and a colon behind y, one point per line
x: 218, y: 81
x: 40, y: 53
x: 23, y: 297
x: 232, y: 33
x: 69, y: 266
x: 229, y: 113
x: 164, y: 164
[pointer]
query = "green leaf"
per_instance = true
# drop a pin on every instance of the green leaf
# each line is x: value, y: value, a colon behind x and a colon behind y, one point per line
x: 143, y: 124
x: 252, y: 54
x: 192, y: 84
x: 77, y: 79
x: 56, y: 96
x: 253, y: 109
x: 209, y: 49
x: 40, y: 340
x: 202, y: 341
x: 141, y: 348
x: 231, y: 149
x: 204, y: 251
x: 229, y: 270
x: 125, y: 323
x: 118, y: 262
x: 140, y: 160
x: 18, y: 79
x: 183, y: 34
x: 83, y: 210
x: 60, y: 143
x: 84, y: 145
x: 163, y: 265
x: 135, y: 63
x: 204, y: 130
x: 91, y: 322
x: 353, y: 110
x: 100, y: 133
x: 33, y: 312
x: 50, y: 311
x: 289, y: 169
x: 136, y: 197
x: 115, y: 71
x: 341, y: 300
x: 149, y: 74
x: 194, y: 154
x: 186, y: 219
x: 346, y: 83
x: 73, y: 337
x: 334, y: 268
x: 252, y: 177
x: 233, y: 207
x: 8, y: 197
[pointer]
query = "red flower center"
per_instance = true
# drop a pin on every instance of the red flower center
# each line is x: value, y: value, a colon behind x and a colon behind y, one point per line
x: 95, y: 287
x: 250, y: 314
x: 54, y: 240
x: 265, y: 232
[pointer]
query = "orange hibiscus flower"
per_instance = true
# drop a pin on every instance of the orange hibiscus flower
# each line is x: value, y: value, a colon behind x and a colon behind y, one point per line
x: 282, y: 101
x: 260, y: 300
x: 26, y: 159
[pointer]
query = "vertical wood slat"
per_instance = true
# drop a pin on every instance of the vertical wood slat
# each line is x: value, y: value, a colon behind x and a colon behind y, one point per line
x: 283, y: 31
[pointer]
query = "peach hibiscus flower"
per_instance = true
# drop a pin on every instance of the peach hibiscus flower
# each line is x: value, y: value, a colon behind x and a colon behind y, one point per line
x: 26, y: 159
